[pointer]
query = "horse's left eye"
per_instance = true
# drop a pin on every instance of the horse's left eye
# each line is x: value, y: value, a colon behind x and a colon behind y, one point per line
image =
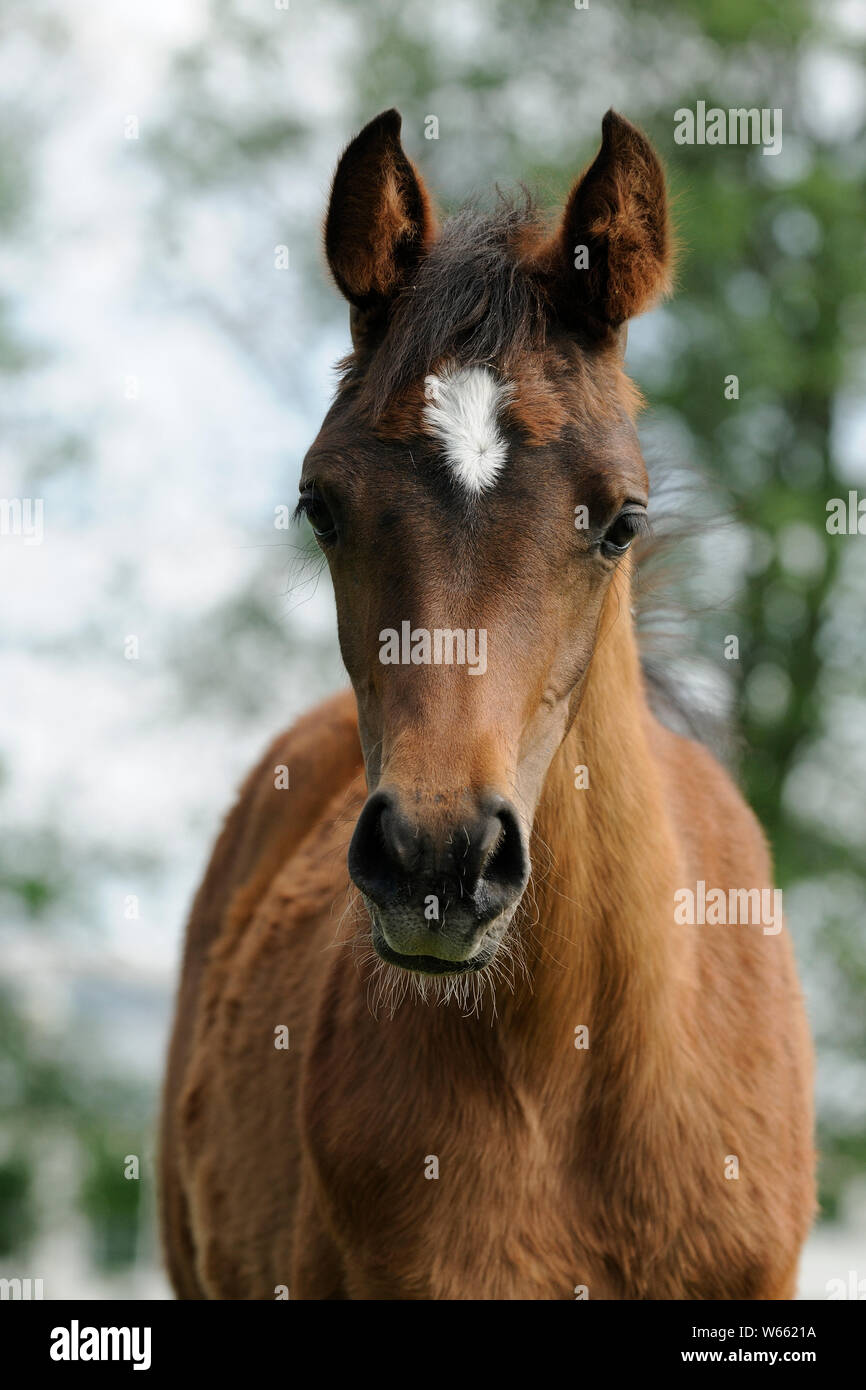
x: 622, y: 531
x: 314, y: 507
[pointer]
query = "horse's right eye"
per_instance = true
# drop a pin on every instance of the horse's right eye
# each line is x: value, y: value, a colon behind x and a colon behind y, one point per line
x: 624, y: 529
x: 313, y: 506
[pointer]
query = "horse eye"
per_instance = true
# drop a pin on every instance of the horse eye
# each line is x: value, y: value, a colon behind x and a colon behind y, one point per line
x: 622, y: 531
x: 314, y: 507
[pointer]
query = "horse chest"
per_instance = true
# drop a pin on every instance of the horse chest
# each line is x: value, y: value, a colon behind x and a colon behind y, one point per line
x: 479, y: 1194
x: 443, y: 1196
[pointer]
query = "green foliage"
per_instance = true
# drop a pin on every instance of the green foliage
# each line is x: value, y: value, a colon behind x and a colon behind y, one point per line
x: 45, y: 1094
x: 111, y: 1200
x: 17, y: 1215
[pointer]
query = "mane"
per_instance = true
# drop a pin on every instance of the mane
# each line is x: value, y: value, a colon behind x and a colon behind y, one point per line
x: 469, y: 300
x: 665, y: 616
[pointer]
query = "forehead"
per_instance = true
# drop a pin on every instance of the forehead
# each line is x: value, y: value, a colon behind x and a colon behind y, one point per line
x: 482, y: 424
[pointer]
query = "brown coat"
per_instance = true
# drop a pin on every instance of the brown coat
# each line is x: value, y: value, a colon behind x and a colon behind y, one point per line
x: 558, y: 1167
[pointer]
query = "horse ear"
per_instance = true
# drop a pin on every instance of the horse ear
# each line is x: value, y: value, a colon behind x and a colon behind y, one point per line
x: 612, y: 255
x: 379, y: 221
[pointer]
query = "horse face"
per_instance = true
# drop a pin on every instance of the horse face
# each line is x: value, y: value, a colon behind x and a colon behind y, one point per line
x: 475, y: 487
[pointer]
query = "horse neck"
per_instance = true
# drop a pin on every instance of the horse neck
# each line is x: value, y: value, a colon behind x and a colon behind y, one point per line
x: 596, y: 924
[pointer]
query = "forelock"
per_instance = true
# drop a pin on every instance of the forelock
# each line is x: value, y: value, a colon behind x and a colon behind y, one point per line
x: 470, y: 303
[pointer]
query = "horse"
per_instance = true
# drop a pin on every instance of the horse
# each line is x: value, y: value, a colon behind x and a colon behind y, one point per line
x: 447, y: 1027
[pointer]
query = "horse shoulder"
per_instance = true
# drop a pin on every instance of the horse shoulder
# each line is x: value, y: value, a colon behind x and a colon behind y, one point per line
x: 281, y: 802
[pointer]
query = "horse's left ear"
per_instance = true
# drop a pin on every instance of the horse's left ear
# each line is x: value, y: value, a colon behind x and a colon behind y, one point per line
x: 611, y: 257
x: 379, y: 221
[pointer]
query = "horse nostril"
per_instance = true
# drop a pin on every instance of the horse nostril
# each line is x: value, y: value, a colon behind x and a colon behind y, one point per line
x: 488, y: 843
x: 398, y: 840
x: 505, y: 863
x: 383, y: 850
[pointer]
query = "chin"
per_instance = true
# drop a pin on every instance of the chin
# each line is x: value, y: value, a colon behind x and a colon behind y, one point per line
x: 438, y: 966
x: 470, y: 985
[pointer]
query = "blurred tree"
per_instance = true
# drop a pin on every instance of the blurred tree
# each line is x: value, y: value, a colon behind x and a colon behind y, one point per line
x: 111, y: 1198
x: 17, y: 1215
x: 42, y: 1092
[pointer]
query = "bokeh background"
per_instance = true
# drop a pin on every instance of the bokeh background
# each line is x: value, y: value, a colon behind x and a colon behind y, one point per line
x: 163, y: 367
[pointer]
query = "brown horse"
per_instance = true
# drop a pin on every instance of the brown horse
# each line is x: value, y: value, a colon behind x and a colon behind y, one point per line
x: 554, y: 1046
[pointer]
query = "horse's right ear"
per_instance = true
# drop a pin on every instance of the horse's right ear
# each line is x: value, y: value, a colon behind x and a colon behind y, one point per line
x: 379, y: 221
